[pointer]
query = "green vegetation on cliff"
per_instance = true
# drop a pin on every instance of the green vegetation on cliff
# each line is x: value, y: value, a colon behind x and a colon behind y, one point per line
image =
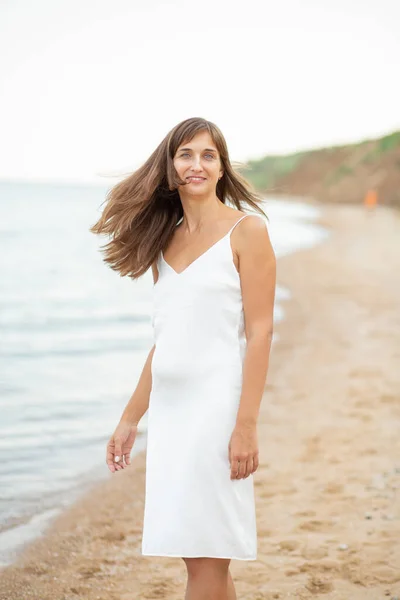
x: 334, y: 174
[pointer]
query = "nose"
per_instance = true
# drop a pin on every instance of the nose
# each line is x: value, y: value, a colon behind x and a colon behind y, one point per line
x: 196, y: 164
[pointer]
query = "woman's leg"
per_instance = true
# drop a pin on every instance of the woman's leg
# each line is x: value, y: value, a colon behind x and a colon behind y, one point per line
x: 231, y: 588
x: 209, y: 579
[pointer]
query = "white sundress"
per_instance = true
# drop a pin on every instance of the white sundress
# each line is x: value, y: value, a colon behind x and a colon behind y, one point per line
x: 192, y: 507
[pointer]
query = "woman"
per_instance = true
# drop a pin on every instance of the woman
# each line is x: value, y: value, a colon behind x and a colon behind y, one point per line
x: 214, y: 286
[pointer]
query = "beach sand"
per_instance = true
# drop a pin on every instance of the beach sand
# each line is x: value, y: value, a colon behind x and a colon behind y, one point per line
x: 328, y: 484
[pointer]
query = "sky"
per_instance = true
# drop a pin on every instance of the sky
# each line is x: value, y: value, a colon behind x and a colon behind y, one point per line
x: 89, y: 88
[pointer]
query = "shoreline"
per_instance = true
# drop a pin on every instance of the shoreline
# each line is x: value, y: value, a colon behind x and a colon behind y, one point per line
x: 325, y: 489
x: 22, y: 519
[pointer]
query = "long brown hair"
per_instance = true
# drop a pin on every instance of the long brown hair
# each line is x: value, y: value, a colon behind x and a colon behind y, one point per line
x: 143, y: 209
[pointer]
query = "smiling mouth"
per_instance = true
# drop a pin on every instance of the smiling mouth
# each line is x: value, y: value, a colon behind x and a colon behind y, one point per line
x: 195, y: 178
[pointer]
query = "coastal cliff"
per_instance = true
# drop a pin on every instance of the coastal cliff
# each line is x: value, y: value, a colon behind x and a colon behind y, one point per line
x: 343, y: 174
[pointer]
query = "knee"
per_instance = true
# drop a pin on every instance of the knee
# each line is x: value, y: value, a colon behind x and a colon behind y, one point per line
x: 201, y: 567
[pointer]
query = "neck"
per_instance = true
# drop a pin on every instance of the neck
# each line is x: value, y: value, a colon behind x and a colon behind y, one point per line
x: 199, y: 211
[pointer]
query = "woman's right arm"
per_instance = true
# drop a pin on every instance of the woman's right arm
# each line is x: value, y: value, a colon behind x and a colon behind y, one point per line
x: 139, y: 401
x: 122, y: 440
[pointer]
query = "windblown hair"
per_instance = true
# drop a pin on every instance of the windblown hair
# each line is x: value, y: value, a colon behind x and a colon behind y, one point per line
x: 143, y: 209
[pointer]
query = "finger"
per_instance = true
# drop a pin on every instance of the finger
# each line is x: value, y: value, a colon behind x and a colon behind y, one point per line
x: 255, y: 463
x: 113, y: 459
x: 249, y: 468
x: 112, y: 466
x: 242, y: 469
x: 122, y: 462
x: 110, y: 451
x: 117, y: 450
x: 110, y: 456
x: 127, y: 458
x: 234, y: 468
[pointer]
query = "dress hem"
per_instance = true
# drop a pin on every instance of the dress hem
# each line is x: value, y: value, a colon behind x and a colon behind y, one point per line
x: 199, y: 556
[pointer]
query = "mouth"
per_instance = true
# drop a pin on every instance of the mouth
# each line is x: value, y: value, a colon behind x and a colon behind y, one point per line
x: 195, y: 179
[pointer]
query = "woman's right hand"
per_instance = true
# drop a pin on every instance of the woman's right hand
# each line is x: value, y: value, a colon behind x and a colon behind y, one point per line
x: 120, y: 446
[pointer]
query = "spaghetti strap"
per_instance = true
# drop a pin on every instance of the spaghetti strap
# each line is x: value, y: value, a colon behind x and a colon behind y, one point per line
x: 241, y: 219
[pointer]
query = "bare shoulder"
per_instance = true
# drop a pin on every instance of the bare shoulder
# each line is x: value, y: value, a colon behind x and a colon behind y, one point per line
x: 252, y: 224
x: 251, y: 242
x: 252, y: 229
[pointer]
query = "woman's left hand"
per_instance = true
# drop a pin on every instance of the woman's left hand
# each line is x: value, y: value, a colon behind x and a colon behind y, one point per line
x: 243, y: 451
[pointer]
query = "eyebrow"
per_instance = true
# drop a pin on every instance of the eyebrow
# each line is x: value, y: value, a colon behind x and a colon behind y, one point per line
x: 205, y: 150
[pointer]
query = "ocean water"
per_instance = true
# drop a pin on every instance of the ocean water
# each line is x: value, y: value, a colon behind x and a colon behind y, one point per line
x: 74, y: 336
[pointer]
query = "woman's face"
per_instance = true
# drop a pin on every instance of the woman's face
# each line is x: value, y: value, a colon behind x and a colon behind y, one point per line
x: 198, y: 163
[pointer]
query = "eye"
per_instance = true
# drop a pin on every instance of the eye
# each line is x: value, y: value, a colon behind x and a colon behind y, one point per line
x: 188, y: 154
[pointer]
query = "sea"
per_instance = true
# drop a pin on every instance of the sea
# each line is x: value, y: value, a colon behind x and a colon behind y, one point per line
x: 74, y: 336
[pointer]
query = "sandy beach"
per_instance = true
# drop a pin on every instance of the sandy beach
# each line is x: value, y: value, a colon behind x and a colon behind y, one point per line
x: 328, y: 485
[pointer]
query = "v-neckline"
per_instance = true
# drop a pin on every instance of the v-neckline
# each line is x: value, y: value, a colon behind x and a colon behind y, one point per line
x: 200, y: 255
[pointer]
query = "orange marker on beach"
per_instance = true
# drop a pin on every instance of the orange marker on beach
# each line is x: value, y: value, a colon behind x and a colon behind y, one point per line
x: 371, y: 199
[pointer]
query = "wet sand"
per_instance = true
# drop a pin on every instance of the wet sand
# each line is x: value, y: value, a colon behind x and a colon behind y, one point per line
x: 328, y: 485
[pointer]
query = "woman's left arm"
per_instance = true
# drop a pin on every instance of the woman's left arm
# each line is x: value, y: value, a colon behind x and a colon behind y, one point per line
x: 257, y: 269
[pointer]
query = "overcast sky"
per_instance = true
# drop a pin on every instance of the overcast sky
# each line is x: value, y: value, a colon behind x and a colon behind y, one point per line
x: 90, y: 87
